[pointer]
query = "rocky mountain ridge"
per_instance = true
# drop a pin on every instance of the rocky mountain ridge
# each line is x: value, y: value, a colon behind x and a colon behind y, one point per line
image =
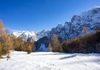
x: 30, y: 36
x: 71, y: 29
x: 74, y: 28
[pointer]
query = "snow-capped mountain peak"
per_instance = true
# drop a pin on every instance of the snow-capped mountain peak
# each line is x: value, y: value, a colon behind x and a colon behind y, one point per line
x: 33, y: 36
x: 71, y: 29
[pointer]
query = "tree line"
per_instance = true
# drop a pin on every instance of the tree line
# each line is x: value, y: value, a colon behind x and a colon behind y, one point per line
x: 8, y: 42
x: 88, y: 43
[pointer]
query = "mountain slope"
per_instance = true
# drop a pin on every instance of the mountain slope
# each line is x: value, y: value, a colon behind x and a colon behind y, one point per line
x: 71, y: 29
x: 74, y: 28
x: 90, y: 19
x: 30, y: 36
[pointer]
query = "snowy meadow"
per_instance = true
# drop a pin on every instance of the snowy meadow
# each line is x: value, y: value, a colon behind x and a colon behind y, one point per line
x: 50, y: 61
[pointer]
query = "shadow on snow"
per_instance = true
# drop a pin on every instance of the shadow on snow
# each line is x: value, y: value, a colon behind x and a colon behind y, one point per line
x: 68, y: 57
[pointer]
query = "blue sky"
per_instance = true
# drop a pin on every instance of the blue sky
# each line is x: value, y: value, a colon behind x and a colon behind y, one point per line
x: 36, y: 15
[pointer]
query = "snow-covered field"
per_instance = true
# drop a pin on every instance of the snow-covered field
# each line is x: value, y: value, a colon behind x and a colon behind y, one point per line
x: 50, y: 61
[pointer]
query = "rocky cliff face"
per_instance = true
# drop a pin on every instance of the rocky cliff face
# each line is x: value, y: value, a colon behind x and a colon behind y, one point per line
x: 74, y: 28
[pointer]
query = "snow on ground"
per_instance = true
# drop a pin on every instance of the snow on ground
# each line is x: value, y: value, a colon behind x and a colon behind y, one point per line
x: 50, y: 61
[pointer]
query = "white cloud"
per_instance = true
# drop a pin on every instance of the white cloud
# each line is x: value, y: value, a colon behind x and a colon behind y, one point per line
x: 16, y: 30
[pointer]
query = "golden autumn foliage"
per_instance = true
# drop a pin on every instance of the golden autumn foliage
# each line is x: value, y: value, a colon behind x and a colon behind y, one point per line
x: 27, y: 44
x: 54, y: 44
x: 0, y: 49
x: 17, y: 43
x: 29, y: 50
x: 85, y: 30
x: 20, y: 48
x: 5, y: 40
x: 85, y: 44
x: 50, y: 48
x: 8, y: 42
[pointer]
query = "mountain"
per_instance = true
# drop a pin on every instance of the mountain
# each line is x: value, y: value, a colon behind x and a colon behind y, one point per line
x: 42, y: 33
x: 30, y: 36
x: 74, y: 28
x: 71, y: 29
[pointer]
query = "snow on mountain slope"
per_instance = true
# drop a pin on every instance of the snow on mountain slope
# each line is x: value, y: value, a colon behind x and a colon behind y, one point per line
x: 24, y: 34
x: 16, y: 34
x: 90, y: 19
x: 42, y: 48
x: 50, y: 61
x: 71, y: 29
x: 32, y: 36
x: 42, y: 34
x: 74, y: 28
